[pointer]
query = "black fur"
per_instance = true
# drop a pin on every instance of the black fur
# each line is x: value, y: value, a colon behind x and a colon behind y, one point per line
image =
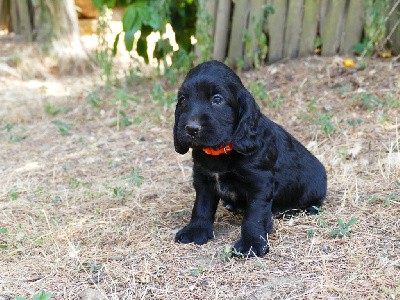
x: 268, y: 172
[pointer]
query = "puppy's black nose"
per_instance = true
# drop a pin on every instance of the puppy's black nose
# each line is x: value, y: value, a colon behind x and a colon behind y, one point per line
x: 192, y: 129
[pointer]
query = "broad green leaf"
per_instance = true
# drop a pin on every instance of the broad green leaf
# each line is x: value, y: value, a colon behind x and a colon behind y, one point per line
x: 115, y: 45
x: 341, y: 223
x: 131, y: 19
x: 141, y: 48
x: 128, y: 39
x: 352, y: 222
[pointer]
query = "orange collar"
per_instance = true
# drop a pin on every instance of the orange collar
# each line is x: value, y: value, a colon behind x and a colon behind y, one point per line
x: 221, y: 150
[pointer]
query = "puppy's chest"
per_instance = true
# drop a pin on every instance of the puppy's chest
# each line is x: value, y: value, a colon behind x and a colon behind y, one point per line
x: 226, y: 186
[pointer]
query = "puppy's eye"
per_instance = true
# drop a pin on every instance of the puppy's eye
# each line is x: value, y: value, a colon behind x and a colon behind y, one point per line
x: 181, y: 98
x: 217, y: 99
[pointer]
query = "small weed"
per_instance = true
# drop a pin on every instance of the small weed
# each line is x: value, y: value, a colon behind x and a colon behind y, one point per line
x: 277, y: 103
x: 120, y: 192
x: 368, y: 101
x: 3, y: 246
x: 386, y: 199
x: 321, y: 119
x: 196, y: 272
x: 122, y: 121
x: 53, y: 110
x: 75, y: 182
x: 17, y: 138
x: 56, y: 200
x: 343, y: 152
x: 159, y: 95
x: 62, y: 127
x: 320, y: 217
x: 8, y: 127
x: 311, y: 106
x: 93, y: 98
x: 310, y: 232
x: 391, y: 101
x: 325, y: 122
x: 383, y: 119
x: 134, y: 178
x: 121, y: 98
x: 227, y: 252
x: 42, y: 295
x: 344, y: 228
x: 257, y: 89
x: 13, y: 195
x: 92, y: 267
x: 354, y: 122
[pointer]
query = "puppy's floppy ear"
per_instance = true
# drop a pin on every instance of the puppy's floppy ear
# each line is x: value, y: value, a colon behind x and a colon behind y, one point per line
x: 181, y: 149
x: 245, y: 135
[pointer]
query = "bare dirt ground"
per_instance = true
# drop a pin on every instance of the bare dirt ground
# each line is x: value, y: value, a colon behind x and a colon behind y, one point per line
x: 78, y: 220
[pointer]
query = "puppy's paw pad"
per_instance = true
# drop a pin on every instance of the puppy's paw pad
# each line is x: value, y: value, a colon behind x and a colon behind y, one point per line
x: 243, y: 248
x: 192, y: 234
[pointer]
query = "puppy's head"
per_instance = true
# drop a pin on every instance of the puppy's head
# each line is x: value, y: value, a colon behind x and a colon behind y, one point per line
x: 215, y: 109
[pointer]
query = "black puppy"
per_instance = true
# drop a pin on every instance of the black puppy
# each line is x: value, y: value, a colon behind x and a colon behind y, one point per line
x: 241, y: 157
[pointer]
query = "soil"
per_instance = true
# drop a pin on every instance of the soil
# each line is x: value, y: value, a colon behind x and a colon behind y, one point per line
x: 89, y: 206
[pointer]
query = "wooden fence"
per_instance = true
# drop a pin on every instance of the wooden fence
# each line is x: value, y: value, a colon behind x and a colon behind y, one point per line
x: 295, y: 28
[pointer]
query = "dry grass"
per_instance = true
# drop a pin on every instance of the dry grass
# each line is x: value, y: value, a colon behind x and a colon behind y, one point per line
x: 68, y: 233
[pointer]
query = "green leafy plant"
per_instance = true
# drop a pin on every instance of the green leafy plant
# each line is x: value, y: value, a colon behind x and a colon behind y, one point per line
x: 162, y: 97
x: 344, y: 228
x: 196, y: 272
x: 310, y: 232
x: 42, y: 295
x: 203, y: 33
x: 321, y: 119
x: 134, y: 178
x: 324, y: 120
x: 13, y: 195
x: 120, y: 192
x: 92, y: 266
x: 368, y: 101
x: 153, y: 16
x: 320, y: 216
x: 93, y: 98
x: 62, y: 127
x: 376, y: 12
x: 53, y: 110
x: 104, y: 52
x: 121, y: 101
x: 256, y: 49
x: 353, y: 122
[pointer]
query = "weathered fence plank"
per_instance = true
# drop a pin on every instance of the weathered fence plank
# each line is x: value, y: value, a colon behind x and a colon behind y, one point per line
x: 205, y: 29
x: 239, y: 21
x: 333, y: 27
x: 24, y: 20
x: 353, y: 26
x: 276, y: 28
x: 394, y: 26
x: 14, y: 17
x: 322, y: 16
x: 4, y: 14
x: 222, y: 29
x: 310, y: 27
x: 256, y: 19
x: 293, y: 28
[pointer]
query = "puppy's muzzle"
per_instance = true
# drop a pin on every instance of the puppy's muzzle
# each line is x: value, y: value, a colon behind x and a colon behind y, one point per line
x: 192, y: 129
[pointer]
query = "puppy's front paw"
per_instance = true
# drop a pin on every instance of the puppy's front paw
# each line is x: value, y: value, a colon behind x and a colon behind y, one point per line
x: 194, y: 234
x: 251, y: 247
